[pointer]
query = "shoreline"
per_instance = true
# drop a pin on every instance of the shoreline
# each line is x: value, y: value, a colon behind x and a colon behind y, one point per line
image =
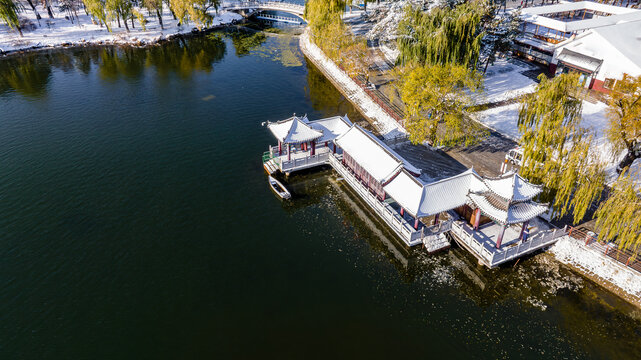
x: 60, y: 32
x: 117, y: 42
x: 579, y: 268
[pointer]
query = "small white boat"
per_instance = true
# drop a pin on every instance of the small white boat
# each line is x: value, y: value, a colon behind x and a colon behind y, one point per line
x: 279, y: 188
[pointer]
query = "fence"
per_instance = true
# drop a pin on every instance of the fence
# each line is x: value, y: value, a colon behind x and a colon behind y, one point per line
x: 626, y: 257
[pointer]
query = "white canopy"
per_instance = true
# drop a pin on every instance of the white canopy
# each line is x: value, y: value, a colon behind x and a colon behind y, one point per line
x: 293, y: 131
x: 366, y: 150
x: 579, y: 60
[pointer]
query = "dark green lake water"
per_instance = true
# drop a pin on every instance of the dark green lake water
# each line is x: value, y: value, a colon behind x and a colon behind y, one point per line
x: 136, y: 223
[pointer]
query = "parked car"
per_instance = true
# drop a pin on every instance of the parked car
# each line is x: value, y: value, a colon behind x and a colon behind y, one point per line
x: 515, y: 156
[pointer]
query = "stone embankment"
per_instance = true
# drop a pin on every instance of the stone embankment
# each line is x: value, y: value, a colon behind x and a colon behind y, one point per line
x: 384, y: 123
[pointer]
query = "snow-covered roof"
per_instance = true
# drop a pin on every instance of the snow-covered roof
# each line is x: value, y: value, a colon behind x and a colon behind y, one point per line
x: 515, y: 213
x: 512, y: 187
x: 448, y: 193
x: 420, y: 199
x: 537, y: 15
x: 370, y: 153
x: 331, y: 127
x: 626, y: 38
x: 294, y: 131
x: 579, y: 60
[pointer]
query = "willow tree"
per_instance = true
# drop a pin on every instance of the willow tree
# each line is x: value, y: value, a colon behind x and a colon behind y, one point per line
x: 619, y: 217
x: 328, y: 30
x: 9, y: 10
x: 442, y: 35
x: 320, y: 14
x: 624, y: 115
x: 439, y: 94
x: 556, y: 149
x: 180, y: 10
x: 98, y: 9
x: 154, y: 6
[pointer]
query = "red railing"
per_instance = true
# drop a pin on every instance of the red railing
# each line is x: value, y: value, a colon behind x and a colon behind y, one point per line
x: 623, y: 256
x: 374, y: 97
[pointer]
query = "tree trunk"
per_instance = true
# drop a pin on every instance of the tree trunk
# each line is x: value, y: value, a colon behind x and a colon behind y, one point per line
x: 627, y: 160
x: 159, y: 19
x: 125, y: 22
x: 49, y: 11
x: 118, y: 18
x: 75, y: 11
x: 19, y: 30
x: 33, y: 7
x: 132, y: 23
x: 487, y: 63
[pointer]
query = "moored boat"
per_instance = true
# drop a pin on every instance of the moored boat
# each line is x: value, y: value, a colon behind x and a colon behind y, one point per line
x: 279, y: 188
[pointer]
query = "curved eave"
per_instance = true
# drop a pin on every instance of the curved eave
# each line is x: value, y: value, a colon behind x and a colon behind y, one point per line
x: 516, y: 213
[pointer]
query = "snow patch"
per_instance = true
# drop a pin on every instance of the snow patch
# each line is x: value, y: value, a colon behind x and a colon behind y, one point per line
x: 60, y: 31
x: 573, y: 252
x: 504, y: 80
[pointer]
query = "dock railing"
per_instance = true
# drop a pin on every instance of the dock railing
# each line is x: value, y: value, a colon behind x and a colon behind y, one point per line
x: 390, y: 216
x: 492, y: 256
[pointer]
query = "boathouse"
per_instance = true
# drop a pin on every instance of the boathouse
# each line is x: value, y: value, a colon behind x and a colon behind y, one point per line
x: 489, y: 217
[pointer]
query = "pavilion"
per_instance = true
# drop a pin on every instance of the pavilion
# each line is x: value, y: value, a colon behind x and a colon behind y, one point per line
x: 391, y: 186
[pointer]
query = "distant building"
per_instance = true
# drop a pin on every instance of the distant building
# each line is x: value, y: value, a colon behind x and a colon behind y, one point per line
x: 600, y: 42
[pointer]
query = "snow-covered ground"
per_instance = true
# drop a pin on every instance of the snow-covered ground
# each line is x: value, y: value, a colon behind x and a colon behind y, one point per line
x: 384, y: 123
x: 58, y: 31
x: 504, y: 120
x: 573, y: 252
x: 504, y: 80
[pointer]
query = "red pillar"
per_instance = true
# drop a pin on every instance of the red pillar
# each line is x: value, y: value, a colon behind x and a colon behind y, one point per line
x: 500, y: 238
x: 521, y: 235
x: 289, y: 152
x: 280, y: 148
x: 313, y: 148
x: 334, y: 151
x: 477, y: 219
x: 416, y: 224
x: 436, y: 219
x: 402, y: 211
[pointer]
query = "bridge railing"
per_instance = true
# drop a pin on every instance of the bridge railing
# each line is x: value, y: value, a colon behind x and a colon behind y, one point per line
x: 241, y: 4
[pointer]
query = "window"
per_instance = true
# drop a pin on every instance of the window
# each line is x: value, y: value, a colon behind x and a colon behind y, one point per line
x: 609, y: 83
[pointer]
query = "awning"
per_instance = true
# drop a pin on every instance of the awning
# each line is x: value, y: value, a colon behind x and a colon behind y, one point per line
x: 579, y: 61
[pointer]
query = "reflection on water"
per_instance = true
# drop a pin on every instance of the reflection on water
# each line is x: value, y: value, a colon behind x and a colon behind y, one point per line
x: 27, y: 75
x: 154, y: 228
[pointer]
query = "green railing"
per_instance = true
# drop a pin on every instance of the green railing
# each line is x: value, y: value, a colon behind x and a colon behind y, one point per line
x: 267, y: 156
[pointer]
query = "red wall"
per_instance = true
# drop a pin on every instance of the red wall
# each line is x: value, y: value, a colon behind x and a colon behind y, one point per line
x: 598, y: 86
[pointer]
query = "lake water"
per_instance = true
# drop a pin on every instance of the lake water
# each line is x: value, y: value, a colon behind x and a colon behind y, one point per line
x: 136, y: 222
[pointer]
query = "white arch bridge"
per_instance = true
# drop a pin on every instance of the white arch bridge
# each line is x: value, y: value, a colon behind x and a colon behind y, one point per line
x: 257, y: 6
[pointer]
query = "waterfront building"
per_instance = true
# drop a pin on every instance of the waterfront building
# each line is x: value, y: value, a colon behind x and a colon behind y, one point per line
x: 598, y: 41
x: 487, y: 216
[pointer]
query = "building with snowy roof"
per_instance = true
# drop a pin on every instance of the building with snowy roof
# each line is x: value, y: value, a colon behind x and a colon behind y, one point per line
x: 480, y: 211
x: 602, y: 55
x: 600, y: 42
